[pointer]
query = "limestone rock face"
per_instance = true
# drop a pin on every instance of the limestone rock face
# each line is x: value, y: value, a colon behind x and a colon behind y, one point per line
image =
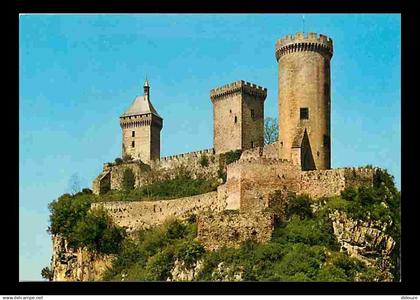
x: 181, y: 272
x: 366, y: 241
x: 77, y: 265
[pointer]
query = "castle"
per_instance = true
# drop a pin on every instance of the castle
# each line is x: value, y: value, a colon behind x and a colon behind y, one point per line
x: 299, y: 162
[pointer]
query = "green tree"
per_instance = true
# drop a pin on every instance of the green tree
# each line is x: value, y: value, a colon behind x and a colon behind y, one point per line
x: 47, y: 274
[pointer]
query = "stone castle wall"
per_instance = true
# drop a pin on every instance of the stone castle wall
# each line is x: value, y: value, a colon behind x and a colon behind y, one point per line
x: 327, y: 183
x: 250, y: 181
x: 229, y: 228
x: 137, y: 215
x: 167, y: 167
x: 266, y: 151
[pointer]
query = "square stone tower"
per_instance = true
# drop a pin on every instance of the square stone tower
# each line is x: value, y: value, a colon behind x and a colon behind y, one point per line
x: 141, y: 126
x: 238, y: 116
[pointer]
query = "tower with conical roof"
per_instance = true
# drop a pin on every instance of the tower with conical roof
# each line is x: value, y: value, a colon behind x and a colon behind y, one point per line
x: 141, y: 126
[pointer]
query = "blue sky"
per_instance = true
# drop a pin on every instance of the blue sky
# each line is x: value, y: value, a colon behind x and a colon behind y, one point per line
x: 78, y: 73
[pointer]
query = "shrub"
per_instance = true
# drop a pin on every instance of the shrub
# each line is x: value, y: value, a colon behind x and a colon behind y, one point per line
x: 118, y: 161
x: 190, y: 252
x: 204, y: 161
x: 128, y: 180
x: 97, y: 234
x: 232, y: 156
x: 86, y: 191
x: 301, y: 263
x: 300, y: 206
x: 159, y: 266
x: 46, y: 273
x: 222, y: 174
x: 127, y: 158
x: 72, y: 219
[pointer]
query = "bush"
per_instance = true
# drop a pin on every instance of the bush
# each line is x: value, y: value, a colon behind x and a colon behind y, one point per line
x: 300, y: 206
x: 72, y: 219
x: 118, y: 161
x: 46, y: 273
x: 86, y: 191
x: 232, y: 156
x: 204, y: 161
x: 128, y: 180
x: 127, y: 158
x: 189, y: 252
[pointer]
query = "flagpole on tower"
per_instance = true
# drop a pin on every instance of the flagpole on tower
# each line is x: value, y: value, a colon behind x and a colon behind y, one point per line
x: 303, y: 23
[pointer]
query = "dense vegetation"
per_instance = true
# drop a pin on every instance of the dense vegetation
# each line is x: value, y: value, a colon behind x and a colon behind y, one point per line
x: 72, y: 219
x: 151, y: 255
x: 181, y: 185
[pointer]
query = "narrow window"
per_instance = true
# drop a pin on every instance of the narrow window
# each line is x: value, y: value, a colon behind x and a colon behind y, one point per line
x: 236, y: 119
x: 252, y: 114
x: 133, y: 133
x: 252, y: 144
x: 132, y: 144
x: 304, y: 113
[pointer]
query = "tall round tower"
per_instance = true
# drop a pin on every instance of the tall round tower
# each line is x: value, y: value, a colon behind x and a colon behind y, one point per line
x: 305, y: 99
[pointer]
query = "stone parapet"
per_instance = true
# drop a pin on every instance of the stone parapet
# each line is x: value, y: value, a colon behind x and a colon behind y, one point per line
x: 301, y: 42
x: 238, y: 86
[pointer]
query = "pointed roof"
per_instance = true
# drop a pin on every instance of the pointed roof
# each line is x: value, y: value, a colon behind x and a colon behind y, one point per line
x: 141, y: 105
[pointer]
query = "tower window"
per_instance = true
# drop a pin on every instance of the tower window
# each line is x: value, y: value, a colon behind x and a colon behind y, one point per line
x: 133, y: 133
x: 304, y: 113
x: 132, y: 144
x: 236, y: 119
x: 252, y: 144
x: 252, y: 114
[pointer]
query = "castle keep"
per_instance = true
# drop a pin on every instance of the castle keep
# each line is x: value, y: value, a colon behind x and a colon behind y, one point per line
x: 264, y: 176
x: 238, y: 116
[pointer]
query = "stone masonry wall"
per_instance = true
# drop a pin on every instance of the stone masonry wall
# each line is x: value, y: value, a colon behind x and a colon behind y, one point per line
x: 267, y: 151
x: 229, y: 228
x: 139, y: 215
x: 250, y: 181
x: 164, y: 168
x: 327, y: 183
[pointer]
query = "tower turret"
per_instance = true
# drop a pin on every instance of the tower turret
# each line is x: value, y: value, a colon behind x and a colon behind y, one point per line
x: 141, y: 126
x: 304, y: 99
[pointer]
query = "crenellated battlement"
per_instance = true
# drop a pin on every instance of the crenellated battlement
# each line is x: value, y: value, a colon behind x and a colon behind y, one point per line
x: 304, y: 42
x: 239, y: 86
x: 189, y: 154
x: 140, y: 120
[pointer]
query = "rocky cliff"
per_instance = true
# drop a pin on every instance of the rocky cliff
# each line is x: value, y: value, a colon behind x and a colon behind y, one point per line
x: 76, y: 265
x: 366, y: 241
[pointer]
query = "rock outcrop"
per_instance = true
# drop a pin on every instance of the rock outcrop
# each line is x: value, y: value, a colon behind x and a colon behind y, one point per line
x: 77, y: 265
x: 366, y: 241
